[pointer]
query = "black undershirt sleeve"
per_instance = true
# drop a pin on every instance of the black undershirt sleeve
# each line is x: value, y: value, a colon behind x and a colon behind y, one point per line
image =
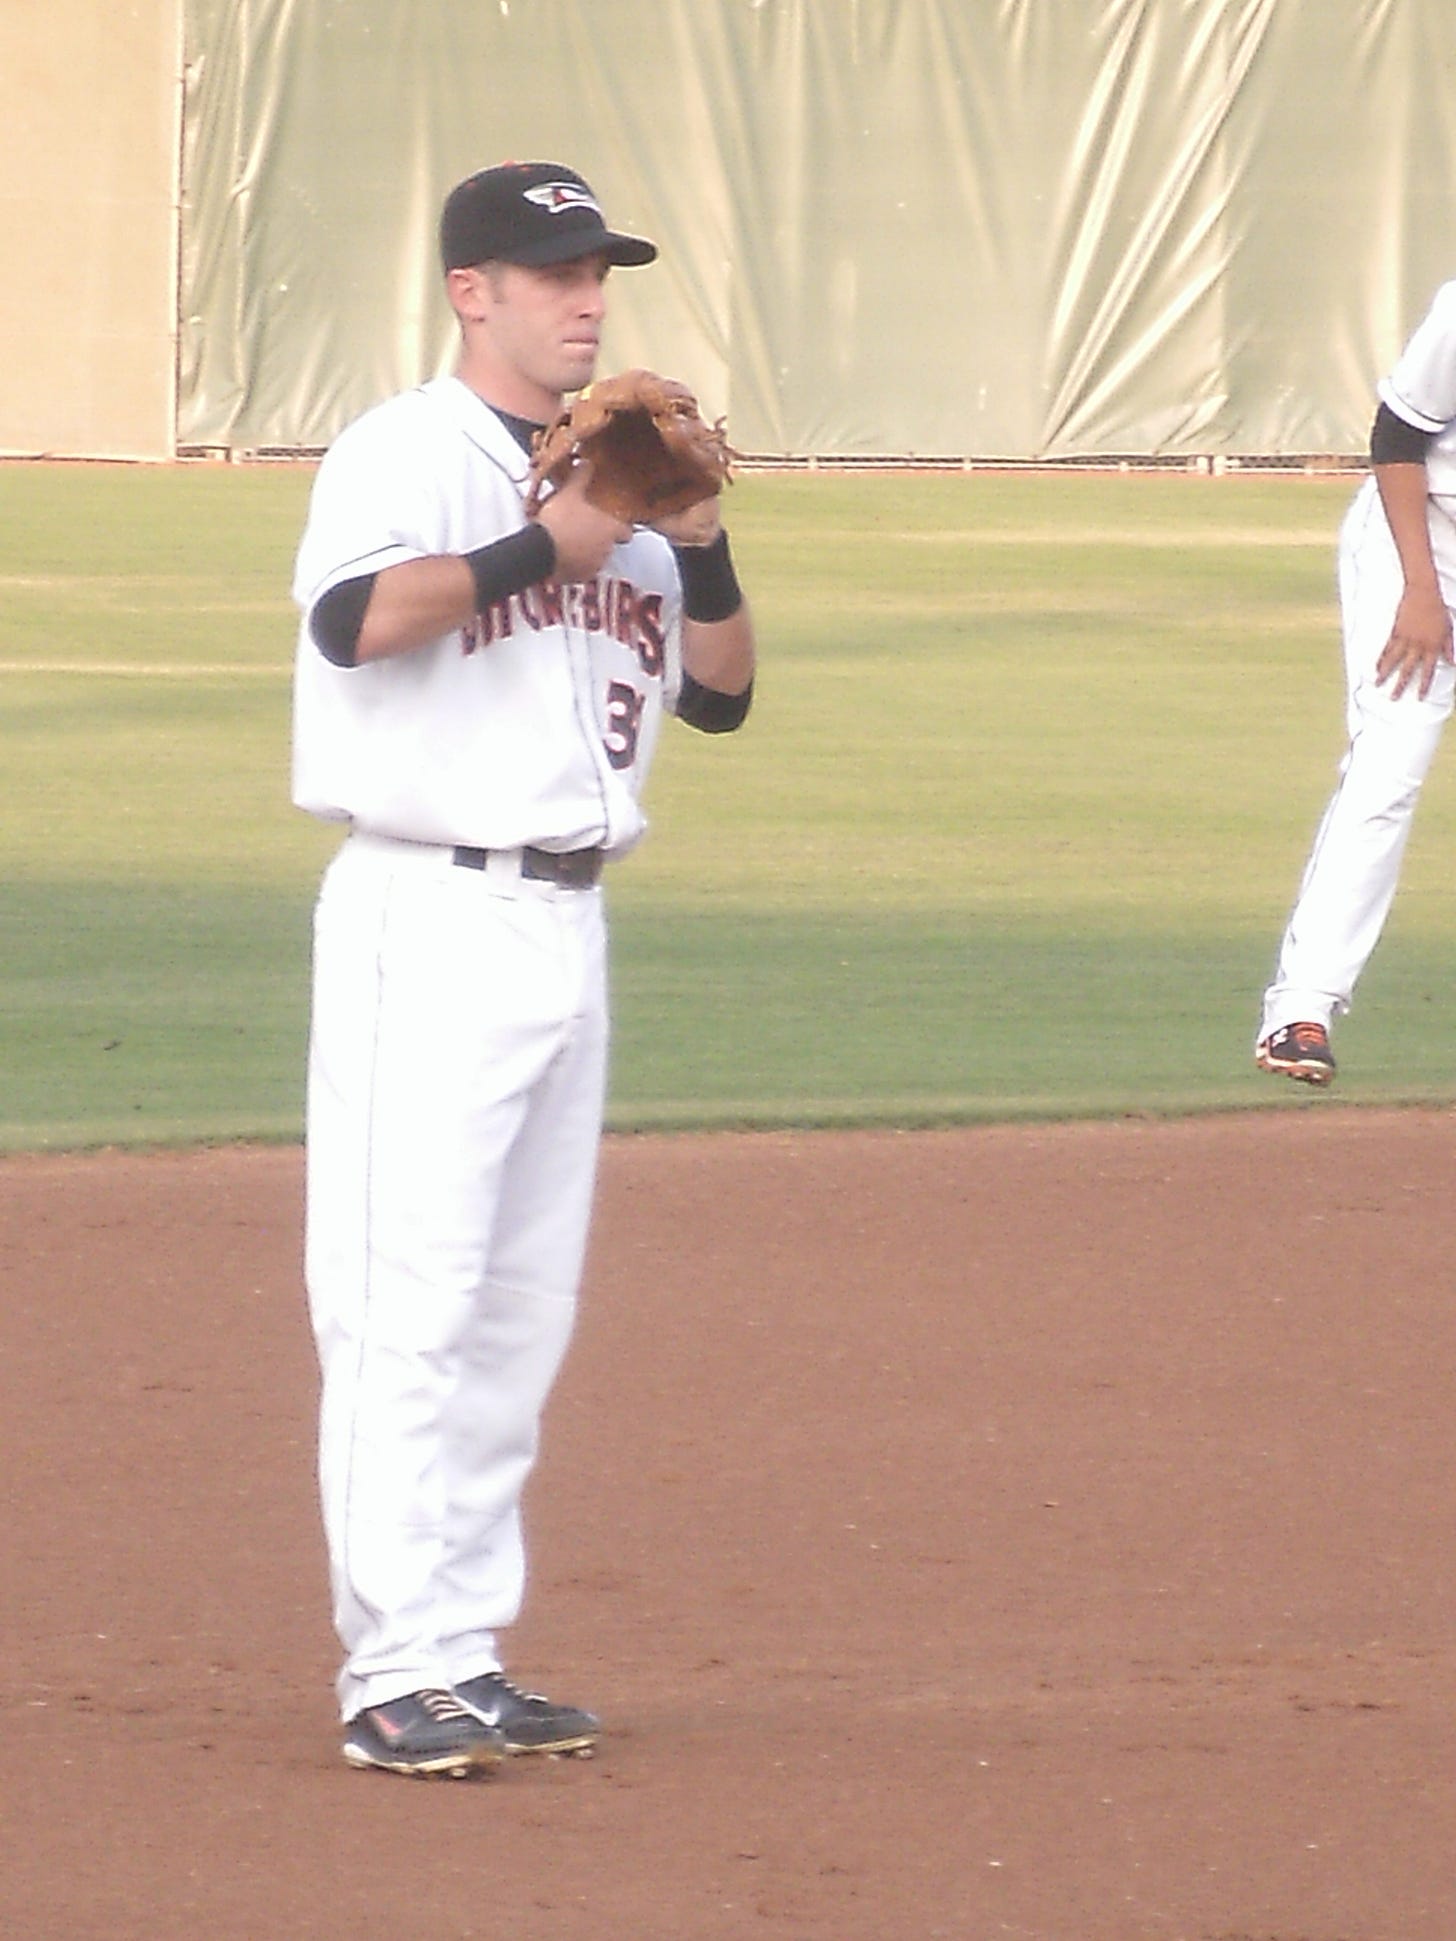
x: 337, y: 618
x: 1394, y: 442
x: 710, y: 711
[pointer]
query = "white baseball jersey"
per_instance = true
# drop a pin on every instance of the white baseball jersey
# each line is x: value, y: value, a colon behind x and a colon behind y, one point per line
x: 537, y: 723
x: 1421, y: 389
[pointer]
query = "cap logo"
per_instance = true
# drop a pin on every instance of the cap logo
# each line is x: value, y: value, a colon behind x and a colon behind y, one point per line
x: 556, y: 196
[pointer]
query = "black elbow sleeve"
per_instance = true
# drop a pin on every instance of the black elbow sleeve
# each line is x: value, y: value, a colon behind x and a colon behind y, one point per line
x: 711, y: 712
x: 1394, y: 442
x: 336, y: 620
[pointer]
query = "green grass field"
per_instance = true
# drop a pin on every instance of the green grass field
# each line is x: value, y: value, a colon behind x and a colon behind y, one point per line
x: 1012, y: 831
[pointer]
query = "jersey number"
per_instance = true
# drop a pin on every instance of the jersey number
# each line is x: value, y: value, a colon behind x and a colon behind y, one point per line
x: 624, y: 723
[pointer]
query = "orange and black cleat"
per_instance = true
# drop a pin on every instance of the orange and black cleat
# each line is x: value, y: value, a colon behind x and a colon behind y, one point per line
x: 1300, y: 1051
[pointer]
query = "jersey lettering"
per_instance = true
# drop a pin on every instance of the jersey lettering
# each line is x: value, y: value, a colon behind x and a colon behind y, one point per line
x: 531, y: 607
x: 621, y: 616
x: 550, y: 596
x: 650, y: 643
x: 496, y: 623
x: 613, y: 607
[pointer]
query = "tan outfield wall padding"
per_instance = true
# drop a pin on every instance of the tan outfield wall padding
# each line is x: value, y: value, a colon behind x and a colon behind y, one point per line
x: 1000, y: 228
x: 88, y: 185
x: 1025, y: 229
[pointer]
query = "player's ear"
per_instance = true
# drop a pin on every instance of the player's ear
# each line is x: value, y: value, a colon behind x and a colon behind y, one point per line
x: 469, y: 292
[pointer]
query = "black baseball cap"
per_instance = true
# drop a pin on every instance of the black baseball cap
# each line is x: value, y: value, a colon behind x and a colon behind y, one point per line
x: 530, y: 212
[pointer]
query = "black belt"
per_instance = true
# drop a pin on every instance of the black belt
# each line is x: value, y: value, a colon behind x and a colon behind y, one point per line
x: 573, y: 869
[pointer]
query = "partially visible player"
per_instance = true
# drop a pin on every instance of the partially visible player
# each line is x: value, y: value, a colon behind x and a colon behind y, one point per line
x: 477, y: 696
x: 1397, y: 575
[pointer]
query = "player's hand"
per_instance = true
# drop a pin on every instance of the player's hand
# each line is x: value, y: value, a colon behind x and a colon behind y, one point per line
x: 1419, y: 641
x: 582, y: 534
x: 699, y: 525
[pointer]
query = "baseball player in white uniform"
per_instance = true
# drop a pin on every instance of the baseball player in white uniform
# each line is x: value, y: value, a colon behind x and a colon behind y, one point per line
x: 1397, y: 575
x: 477, y: 697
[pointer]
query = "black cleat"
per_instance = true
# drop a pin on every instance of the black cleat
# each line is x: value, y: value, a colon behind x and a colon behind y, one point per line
x: 429, y: 1734
x: 1300, y: 1051
x: 527, y: 1721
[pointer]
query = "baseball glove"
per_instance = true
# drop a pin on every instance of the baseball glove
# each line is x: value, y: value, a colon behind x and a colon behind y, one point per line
x: 651, y: 452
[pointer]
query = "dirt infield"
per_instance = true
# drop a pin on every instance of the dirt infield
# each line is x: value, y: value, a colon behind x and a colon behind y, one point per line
x: 1020, y: 1532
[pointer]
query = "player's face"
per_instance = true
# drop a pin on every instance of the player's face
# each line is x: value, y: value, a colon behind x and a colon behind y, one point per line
x: 544, y: 325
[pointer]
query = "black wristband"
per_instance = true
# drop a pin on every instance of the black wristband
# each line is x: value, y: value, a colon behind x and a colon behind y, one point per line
x: 709, y: 583
x: 508, y: 565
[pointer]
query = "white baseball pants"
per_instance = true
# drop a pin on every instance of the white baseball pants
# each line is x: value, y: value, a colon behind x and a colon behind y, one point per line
x: 455, y: 1095
x: 1351, y: 876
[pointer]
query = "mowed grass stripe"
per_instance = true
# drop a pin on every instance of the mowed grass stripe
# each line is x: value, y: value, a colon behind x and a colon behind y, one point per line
x: 1032, y: 773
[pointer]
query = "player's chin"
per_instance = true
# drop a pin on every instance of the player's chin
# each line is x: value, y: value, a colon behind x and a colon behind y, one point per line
x: 578, y: 366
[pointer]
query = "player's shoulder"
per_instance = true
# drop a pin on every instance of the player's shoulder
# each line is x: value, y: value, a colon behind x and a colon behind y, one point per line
x: 394, y: 420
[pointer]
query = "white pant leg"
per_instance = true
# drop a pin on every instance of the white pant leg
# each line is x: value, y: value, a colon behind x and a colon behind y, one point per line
x: 1354, y: 866
x: 456, y: 1075
x: 520, y: 1326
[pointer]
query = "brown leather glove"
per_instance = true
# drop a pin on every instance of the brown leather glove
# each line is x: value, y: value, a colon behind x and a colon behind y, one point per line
x: 651, y: 452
